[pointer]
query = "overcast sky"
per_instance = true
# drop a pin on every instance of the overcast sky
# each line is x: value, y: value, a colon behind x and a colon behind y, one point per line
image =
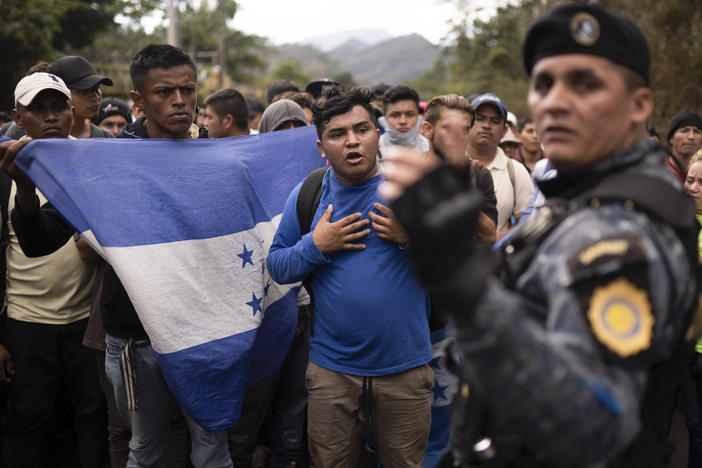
x: 290, y: 21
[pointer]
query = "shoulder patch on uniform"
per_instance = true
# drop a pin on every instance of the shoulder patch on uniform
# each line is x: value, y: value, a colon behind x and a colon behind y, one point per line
x: 621, y: 318
x: 612, y: 247
x: 605, y: 255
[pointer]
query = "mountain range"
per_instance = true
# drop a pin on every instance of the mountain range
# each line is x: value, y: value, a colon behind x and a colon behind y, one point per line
x: 329, y: 42
x: 371, y: 56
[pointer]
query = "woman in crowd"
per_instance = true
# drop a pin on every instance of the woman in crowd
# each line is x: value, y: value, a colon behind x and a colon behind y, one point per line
x: 692, y: 380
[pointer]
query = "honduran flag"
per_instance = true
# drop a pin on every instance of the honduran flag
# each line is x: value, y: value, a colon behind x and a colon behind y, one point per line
x: 186, y: 225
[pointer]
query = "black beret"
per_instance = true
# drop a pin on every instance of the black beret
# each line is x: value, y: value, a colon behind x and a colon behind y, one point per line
x: 682, y: 119
x: 587, y: 29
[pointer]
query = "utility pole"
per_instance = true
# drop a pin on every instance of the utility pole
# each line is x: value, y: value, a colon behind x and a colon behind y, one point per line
x: 173, y: 24
x: 221, y: 58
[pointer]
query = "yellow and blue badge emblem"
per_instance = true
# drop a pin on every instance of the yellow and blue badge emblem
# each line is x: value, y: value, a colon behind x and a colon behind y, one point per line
x: 621, y: 318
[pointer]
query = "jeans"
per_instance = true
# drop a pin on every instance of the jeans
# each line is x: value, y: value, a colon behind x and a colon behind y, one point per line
x: 117, y: 432
x: 288, y: 397
x: 53, y: 393
x: 149, y: 423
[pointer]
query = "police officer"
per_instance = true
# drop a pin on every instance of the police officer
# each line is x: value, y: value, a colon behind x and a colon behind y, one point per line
x: 574, y: 345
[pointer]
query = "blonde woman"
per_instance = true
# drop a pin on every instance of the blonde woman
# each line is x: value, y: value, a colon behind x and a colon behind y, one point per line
x: 692, y: 381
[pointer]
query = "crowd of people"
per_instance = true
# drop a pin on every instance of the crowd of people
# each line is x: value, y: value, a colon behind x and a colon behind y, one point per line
x: 568, y: 345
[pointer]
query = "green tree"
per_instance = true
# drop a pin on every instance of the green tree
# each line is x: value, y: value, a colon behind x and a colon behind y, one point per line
x: 112, y: 51
x: 345, y: 78
x: 674, y: 32
x: 293, y: 71
x: 206, y: 35
x: 486, y: 55
x: 113, y: 48
x: 245, y: 56
x: 201, y: 26
x: 34, y: 30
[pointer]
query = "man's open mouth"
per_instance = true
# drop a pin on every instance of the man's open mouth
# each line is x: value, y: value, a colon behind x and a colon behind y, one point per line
x: 354, y: 157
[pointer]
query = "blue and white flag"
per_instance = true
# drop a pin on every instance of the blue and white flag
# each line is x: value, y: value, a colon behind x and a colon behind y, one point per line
x: 186, y: 225
x: 445, y: 388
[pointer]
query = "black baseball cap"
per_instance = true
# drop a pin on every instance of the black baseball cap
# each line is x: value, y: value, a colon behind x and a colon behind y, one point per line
x: 78, y: 73
x: 113, y: 106
x: 316, y: 87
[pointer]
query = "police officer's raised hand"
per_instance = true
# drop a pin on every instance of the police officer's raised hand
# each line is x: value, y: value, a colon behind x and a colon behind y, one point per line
x: 439, y: 213
x: 27, y: 200
x: 339, y: 235
x: 402, y: 167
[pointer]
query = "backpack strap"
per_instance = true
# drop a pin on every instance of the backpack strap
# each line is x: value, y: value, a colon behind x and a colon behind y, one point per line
x: 307, y: 202
x: 308, y: 199
x: 510, y: 172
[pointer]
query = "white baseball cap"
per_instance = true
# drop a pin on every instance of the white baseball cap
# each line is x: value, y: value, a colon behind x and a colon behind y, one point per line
x: 511, y: 118
x: 29, y: 86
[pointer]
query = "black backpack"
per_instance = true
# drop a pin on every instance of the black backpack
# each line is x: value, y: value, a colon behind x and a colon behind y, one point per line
x: 308, y: 198
x: 307, y: 203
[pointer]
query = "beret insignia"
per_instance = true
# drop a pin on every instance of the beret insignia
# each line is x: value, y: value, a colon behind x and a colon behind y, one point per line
x: 584, y: 29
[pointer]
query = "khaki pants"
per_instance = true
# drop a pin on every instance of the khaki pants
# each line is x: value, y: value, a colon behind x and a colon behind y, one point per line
x: 395, y: 408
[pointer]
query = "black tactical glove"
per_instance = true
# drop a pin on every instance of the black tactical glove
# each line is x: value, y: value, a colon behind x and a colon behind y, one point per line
x: 439, y: 214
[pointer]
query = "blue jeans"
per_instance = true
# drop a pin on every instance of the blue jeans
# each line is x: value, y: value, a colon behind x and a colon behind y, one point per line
x: 149, y: 423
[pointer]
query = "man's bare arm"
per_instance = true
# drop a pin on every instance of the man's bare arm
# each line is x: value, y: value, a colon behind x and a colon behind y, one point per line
x: 485, y: 229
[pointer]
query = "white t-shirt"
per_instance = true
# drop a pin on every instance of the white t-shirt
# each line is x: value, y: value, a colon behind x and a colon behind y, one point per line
x: 54, y: 289
x: 510, y: 200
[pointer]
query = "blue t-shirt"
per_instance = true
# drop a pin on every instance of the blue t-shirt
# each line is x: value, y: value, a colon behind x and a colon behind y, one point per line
x: 371, y: 314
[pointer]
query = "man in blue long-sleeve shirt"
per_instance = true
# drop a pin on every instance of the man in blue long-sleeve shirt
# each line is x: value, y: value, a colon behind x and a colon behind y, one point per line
x: 370, y: 346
